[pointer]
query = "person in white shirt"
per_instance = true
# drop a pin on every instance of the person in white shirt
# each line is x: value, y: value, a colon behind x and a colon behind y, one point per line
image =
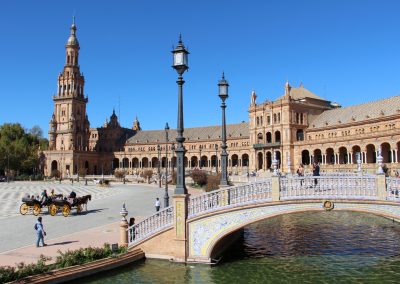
x: 157, y: 204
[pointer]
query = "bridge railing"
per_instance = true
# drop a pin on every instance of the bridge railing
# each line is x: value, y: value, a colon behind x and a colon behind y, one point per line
x: 230, y: 197
x: 151, y: 225
x: 344, y: 187
x: 393, y: 188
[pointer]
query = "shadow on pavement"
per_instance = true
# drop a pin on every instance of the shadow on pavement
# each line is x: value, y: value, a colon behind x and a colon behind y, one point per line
x: 62, y: 243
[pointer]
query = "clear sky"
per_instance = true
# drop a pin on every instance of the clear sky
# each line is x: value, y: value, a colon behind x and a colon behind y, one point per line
x: 346, y: 51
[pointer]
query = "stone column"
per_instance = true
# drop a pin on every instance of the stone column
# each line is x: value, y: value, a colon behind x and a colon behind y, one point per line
x: 275, y: 184
x: 380, y: 182
x: 123, y: 228
x: 180, y: 202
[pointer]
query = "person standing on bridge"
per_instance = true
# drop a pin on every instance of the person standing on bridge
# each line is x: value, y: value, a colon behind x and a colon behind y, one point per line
x: 157, y: 204
x: 316, y: 172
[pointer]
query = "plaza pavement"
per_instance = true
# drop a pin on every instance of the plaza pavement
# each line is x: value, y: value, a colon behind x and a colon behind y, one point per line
x: 100, y: 224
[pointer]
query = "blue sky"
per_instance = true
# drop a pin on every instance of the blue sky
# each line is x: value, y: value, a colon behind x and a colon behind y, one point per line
x: 344, y: 51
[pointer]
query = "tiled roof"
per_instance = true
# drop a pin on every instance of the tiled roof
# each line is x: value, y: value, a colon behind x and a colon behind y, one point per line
x: 356, y: 113
x: 191, y: 134
x: 301, y: 93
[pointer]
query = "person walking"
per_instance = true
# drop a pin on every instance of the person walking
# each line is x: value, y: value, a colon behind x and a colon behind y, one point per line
x: 300, y: 173
x: 40, y: 232
x: 157, y: 204
x: 315, y: 172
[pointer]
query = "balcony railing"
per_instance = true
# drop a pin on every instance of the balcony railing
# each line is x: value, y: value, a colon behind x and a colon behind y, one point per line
x: 266, y: 145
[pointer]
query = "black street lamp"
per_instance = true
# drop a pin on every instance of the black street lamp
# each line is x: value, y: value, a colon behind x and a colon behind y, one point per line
x: 158, y: 166
x: 200, y: 148
x: 180, y: 64
x: 216, y: 158
x: 223, y: 94
x: 166, y: 197
x: 172, y: 160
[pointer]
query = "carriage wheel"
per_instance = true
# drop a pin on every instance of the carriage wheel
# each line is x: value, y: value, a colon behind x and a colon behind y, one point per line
x: 65, y: 210
x: 23, y: 209
x: 79, y: 208
x: 53, y: 210
x: 36, y: 209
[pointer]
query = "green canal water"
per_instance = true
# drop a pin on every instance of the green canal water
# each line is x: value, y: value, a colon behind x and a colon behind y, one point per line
x: 325, y: 247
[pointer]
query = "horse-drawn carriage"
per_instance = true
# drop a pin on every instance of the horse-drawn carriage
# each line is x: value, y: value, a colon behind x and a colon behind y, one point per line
x: 32, y: 204
x: 66, y: 204
x: 54, y: 204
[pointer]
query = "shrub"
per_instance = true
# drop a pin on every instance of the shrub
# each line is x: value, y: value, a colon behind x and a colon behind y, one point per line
x: 66, y: 259
x: 199, y: 177
x: 120, y: 173
x: 82, y: 172
x: 213, y: 182
x: 147, y: 174
x: 55, y: 174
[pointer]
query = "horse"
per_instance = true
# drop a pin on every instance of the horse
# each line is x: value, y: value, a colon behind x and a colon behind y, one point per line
x: 84, y: 200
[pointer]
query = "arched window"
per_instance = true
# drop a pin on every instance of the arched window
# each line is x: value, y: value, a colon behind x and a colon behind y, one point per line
x: 300, y: 135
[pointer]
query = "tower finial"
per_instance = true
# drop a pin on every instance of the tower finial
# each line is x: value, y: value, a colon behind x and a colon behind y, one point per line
x: 180, y: 37
x: 223, y: 75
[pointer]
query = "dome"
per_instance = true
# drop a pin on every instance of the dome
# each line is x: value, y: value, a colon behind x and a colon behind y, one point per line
x: 72, y: 40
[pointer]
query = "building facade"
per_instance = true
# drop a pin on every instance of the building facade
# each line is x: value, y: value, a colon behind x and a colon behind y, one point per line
x: 297, y: 127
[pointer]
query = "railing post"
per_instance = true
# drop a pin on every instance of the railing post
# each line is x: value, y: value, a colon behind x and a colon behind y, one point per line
x: 275, y: 186
x: 123, y: 228
x: 180, y: 230
x: 381, y: 190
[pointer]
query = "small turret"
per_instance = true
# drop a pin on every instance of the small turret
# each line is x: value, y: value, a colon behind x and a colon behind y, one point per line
x: 136, y: 125
x: 287, y: 90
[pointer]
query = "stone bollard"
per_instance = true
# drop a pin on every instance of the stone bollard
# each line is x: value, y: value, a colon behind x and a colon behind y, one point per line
x: 85, y: 181
x: 123, y: 228
x: 275, y: 190
x: 380, y: 184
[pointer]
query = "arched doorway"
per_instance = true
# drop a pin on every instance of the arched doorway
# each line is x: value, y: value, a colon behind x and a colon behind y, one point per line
x: 356, y: 151
x: 245, y: 160
x: 343, y: 155
x: 269, y: 137
x: 278, y: 158
x: 145, y: 162
x: 135, y: 163
x: 154, y: 162
x: 260, y: 161
x: 318, y: 156
x: 193, y: 162
x: 125, y: 163
x: 386, y: 153
x: 260, y: 138
x: 371, y: 154
x: 235, y: 160
x: 54, y: 165
x: 277, y: 136
x: 269, y: 159
x: 86, y: 167
x: 203, y: 162
x: 330, y: 156
x: 305, y: 157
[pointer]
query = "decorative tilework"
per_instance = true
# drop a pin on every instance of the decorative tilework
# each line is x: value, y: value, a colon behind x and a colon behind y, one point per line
x: 204, y: 233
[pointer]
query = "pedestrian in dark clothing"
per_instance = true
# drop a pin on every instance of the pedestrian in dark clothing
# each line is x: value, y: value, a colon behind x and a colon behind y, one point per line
x: 40, y: 232
x: 316, y: 172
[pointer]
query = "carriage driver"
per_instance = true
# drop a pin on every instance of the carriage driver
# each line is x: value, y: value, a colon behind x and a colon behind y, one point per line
x: 44, y: 197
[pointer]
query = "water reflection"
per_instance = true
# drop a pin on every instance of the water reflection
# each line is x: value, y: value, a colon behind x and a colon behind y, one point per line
x: 325, y: 247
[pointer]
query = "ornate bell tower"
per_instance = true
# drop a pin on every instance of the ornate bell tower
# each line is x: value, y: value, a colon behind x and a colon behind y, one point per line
x: 69, y: 126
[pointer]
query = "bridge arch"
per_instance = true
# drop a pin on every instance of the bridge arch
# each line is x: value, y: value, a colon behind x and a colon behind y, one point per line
x: 215, y: 227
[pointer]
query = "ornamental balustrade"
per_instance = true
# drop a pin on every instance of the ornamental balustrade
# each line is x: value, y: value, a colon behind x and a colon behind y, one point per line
x: 360, y: 187
x: 159, y: 221
x: 393, y: 188
x: 339, y: 187
x: 230, y: 197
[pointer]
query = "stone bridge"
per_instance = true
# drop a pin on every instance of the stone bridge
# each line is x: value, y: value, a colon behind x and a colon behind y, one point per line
x: 198, y: 229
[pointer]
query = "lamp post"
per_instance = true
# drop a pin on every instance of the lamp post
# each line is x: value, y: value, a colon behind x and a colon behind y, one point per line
x: 216, y: 158
x: 180, y: 64
x: 223, y: 94
x: 166, y: 197
x: 200, y: 148
x: 172, y: 160
x: 158, y: 166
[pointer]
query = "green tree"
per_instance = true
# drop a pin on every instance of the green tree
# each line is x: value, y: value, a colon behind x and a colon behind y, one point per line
x: 19, y: 150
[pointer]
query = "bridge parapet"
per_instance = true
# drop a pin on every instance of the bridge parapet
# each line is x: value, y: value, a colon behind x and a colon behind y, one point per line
x: 151, y: 225
x: 393, y: 188
x: 333, y: 186
x: 230, y: 197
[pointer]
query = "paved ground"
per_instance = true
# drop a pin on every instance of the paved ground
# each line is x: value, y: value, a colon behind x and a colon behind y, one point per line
x: 94, y: 227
